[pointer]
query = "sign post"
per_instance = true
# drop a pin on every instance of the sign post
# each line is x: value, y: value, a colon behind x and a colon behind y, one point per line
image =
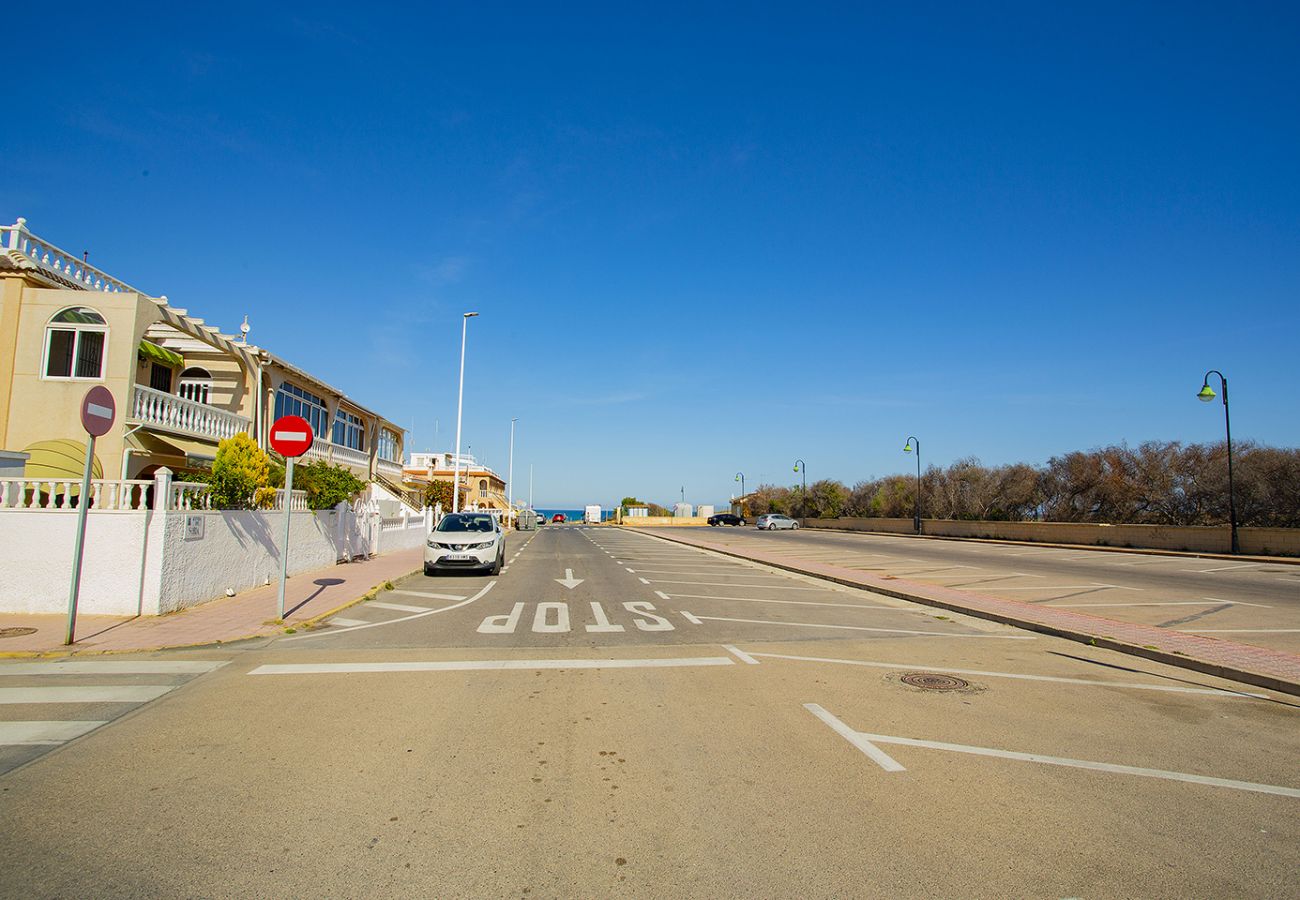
x: 291, y: 437
x: 98, y: 410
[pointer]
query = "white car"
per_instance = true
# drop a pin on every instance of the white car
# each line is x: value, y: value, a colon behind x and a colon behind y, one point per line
x: 465, y: 541
x: 773, y: 521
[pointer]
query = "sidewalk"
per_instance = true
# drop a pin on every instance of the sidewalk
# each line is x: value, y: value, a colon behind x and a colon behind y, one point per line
x: 1259, y: 666
x: 250, y: 614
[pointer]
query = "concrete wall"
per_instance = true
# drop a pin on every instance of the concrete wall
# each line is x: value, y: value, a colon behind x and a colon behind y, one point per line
x: 148, y: 562
x: 1194, y: 538
x: 640, y: 521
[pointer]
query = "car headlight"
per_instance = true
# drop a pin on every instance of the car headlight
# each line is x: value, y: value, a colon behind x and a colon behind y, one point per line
x: 480, y: 546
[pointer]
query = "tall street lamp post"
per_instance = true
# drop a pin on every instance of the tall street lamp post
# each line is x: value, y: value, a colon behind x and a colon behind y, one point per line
x: 740, y: 476
x: 800, y: 467
x: 460, y: 403
x: 1205, y: 395
x: 907, y: 448
x: 510, y: 475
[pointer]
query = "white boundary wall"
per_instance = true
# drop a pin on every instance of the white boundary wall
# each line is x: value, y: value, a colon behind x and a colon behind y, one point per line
x: 149, y: 562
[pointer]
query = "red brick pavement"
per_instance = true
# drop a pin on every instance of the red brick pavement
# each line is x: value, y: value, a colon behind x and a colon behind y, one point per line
x: 250, y: 614
x: 1259, y: 666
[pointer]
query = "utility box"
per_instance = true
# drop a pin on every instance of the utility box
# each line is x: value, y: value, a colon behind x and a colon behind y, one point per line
x: 683, y: 510
x: 704, y: 510
x: 526, y: 520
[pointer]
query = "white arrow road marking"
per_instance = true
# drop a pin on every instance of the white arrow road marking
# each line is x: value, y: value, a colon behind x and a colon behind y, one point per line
x: 568, y: 580
x: 871, y: 739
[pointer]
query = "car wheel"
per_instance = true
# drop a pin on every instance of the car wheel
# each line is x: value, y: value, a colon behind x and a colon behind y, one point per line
x: 496, y: 567
x: 428, y: 570
x: 794, y: 526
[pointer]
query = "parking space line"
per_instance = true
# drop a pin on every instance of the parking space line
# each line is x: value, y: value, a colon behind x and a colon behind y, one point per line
x: 428, y: 595
x: 1003, y: 637
x: 740, y: 654
x: 1212, y: 692
x: 465, y: 665
x: 874, y: 753
x: 763, y: 587
x: 297, y: 637
x: 792, y: 602
x: 341, y: 622
x: 396, y: 607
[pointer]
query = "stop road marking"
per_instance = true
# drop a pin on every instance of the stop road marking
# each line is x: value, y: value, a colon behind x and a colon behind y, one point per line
x: 553, y: 618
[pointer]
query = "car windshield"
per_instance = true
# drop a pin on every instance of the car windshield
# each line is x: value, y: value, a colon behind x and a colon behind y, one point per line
x: 457, y: 522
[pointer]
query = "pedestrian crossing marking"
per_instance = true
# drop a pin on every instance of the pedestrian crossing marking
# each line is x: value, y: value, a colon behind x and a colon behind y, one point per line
x: 86, y: 693
x: 14, y: 734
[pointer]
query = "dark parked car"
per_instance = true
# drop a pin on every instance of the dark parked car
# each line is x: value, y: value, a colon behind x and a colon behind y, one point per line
x: 726, y: 519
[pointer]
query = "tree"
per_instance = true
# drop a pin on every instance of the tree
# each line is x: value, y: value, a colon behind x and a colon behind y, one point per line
x: 436, y: 492
x: 240, y: 475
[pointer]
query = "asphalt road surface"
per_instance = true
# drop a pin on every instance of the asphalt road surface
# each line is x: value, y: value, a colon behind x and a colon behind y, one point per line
x: 1245, y: 601
x: 616, y: 715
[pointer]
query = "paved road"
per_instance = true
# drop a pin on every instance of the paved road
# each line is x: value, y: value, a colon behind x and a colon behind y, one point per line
x: 706, y: 728
x: 1251, y: 602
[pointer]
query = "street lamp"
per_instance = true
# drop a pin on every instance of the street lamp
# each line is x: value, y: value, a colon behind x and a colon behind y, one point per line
x: 799, y: 466
x: 740, y: 476
x: 907, y: 448
x: 1205, y: 395
x: 510, y: 476
x: 460, y: 403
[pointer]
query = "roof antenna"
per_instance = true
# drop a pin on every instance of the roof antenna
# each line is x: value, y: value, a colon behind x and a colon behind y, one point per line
x: 244, y: 329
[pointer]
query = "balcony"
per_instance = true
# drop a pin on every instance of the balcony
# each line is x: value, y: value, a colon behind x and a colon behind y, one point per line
x: 389, y: 469
x: 171, y: 413
x: 339, y: 455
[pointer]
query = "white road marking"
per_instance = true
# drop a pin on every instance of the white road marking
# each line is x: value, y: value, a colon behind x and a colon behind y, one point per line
x: 1213, y: 692
x: 1238, y: 602
x: 346, y: 623
x: 792, y: 602
x: 111, y: 667
x: 396, y: 607
x: 1225, y: 568
x: 633, y: 571
x: 541, y: 618
x: 878, y: 756
x: 719, y: 573
x: 464, y: 665
x: 1166, y: 603
x: 86, y: 693
x: 662, y: 596
x: 740, y: 654
x: 14, y: 734
x: 487, y: 587
x: 642, y: 580
x: 1113, y: 768
x: 1004, y: 637
x: 602, y: 621
x: 428, y: 595
x: 1062, y: 587
x: 764, y: 587
x: 690, y: 618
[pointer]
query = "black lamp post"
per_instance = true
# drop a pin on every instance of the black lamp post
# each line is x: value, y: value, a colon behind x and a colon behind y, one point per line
x: 907, y: 448
x: 1206, y: 394
x: 800, y: 467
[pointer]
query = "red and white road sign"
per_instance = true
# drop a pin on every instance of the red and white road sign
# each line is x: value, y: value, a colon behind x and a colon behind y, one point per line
x: 98, y: 410
x: 291, y: 436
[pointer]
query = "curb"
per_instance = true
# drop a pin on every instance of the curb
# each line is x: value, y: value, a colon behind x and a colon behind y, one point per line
x: 1173, y: 659
x: 1140, y: 551
x: 305, y: 624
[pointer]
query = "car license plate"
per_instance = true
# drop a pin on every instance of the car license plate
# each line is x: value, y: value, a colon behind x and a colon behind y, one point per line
x: 459, y: 556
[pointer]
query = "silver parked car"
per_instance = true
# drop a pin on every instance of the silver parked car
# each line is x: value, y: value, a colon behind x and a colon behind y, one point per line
x: 773, y: 521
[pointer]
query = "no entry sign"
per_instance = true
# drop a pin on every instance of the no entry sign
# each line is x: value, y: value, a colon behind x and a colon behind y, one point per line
x: 291, y: 436
x: 98, y: 410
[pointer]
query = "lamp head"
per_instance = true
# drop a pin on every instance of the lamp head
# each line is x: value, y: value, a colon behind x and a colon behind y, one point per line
x: 737, y: 478
x: 907, y: 448
x: 796, y: 467
x: 470, y: 315
x: 1206, y: 394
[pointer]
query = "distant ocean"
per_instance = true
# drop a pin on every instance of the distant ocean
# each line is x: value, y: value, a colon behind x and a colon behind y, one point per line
x: 571, y: 515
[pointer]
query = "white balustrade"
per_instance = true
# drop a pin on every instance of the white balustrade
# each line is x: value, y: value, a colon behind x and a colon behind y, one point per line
x: 59, y: 262
x: 319, y: 449
x: 389, y: 468
x: 298, y: 503
x: 63, y: 494
x: 190, y: 495
x: 348, y: 457
x: 152, y: 407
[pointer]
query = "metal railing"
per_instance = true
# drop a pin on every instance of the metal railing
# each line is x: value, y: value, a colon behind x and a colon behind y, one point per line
x: 59, y: 263
x: 162, y: 410
x: 64, y: 493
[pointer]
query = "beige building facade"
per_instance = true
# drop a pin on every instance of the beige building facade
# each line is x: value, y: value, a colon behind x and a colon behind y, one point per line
x: 480, y: 487
x: 180, y: 386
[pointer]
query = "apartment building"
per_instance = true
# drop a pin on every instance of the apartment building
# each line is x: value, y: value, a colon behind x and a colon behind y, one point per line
x: 181, y: 386
x: 480, y: 487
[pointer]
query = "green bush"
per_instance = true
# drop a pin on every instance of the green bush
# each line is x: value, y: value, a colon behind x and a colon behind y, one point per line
x: 326, y: 485
x: 239, y: 475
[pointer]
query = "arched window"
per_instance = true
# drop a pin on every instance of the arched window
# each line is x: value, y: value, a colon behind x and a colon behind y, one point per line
x: 482, y: 488
x: 196, y: 385
x: 74, y: 344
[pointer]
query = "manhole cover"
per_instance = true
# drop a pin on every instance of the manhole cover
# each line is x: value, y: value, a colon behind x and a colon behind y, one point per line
x: 15, y: 632
x: 934, y: 681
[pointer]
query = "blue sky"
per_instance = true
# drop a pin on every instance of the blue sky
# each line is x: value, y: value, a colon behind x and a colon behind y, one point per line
x: 701, y: 242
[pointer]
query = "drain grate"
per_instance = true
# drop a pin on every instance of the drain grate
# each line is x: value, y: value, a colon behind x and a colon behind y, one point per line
x: 934, y: 681
x: 16, y: 632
